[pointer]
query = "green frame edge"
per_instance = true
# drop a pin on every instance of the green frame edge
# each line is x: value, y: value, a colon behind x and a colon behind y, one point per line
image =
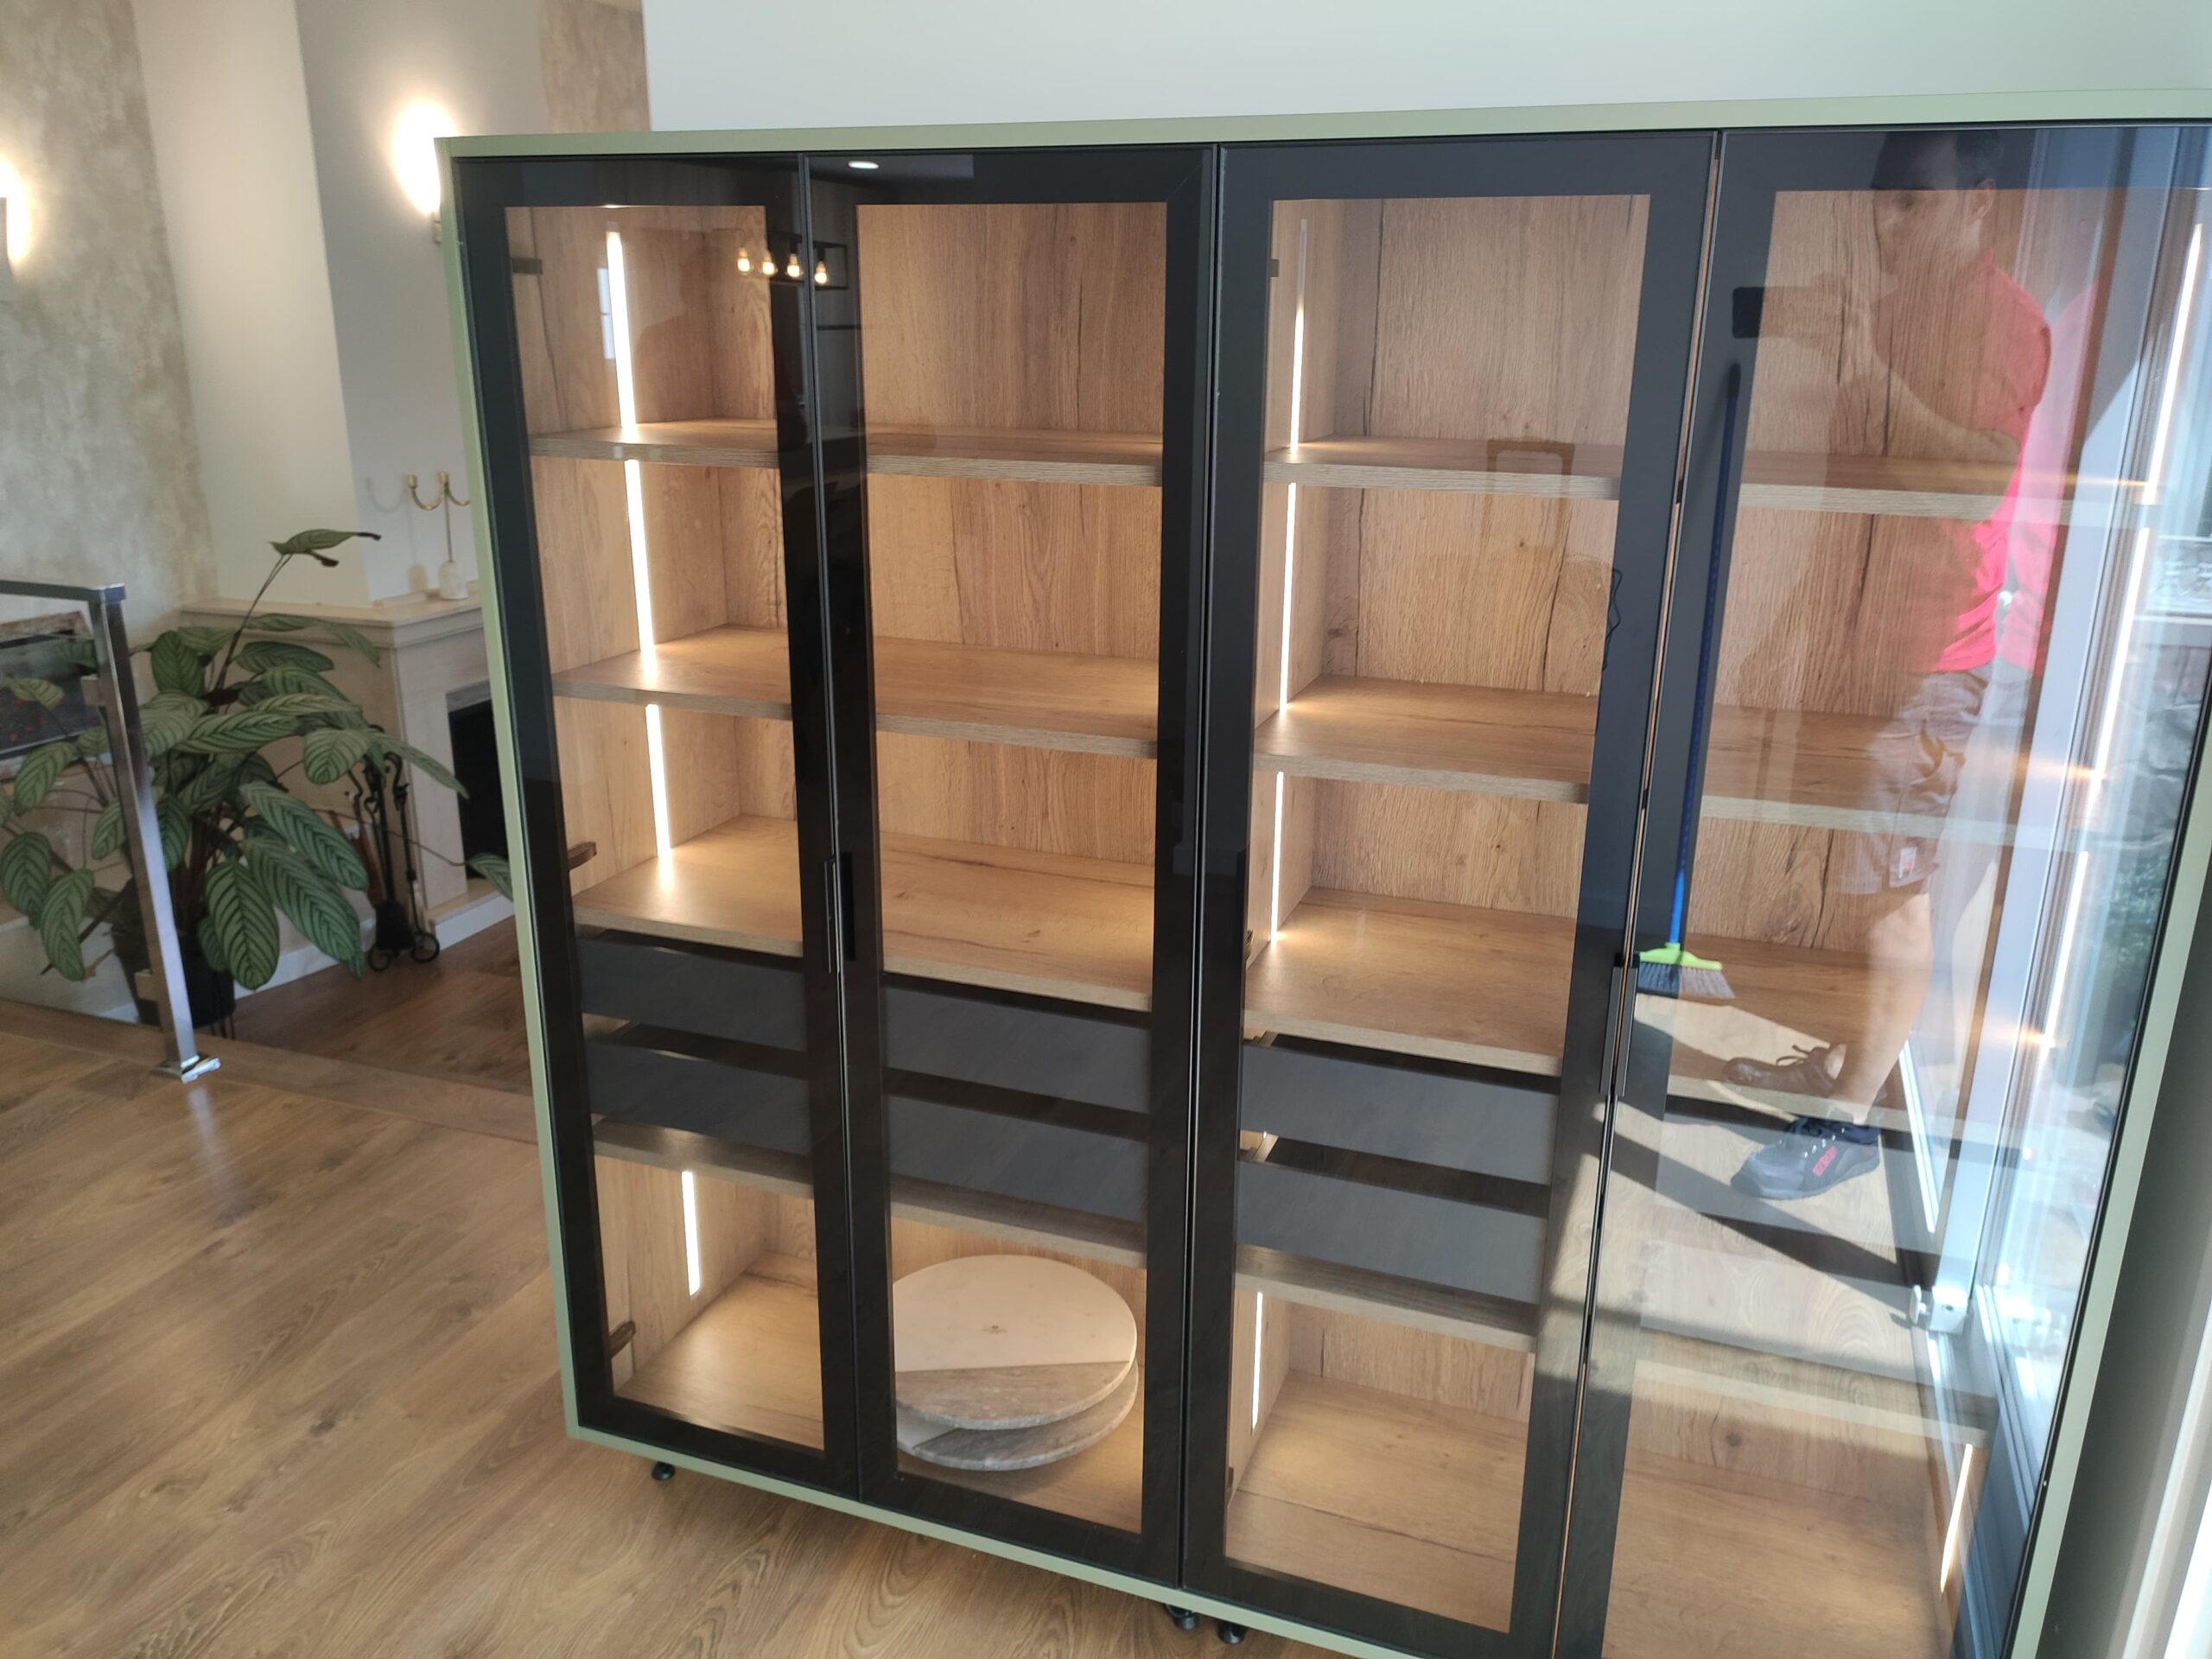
x: 2145, y: 1087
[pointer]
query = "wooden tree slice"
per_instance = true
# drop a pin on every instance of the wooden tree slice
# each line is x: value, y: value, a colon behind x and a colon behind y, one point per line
x: 1018, y: 1448
x: 993, y: 1343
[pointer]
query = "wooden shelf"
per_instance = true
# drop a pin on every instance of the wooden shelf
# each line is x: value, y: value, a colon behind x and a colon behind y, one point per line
x: 928, y: 688
x: 1407, y: 1499
x: 1762, y: 765
x: 1531, y: 745
x: 1042, y: 923
x: 893, y: 451
x: 1418, y: 1503
x: 1875, y: 485
x: 750, y: 1363
x: 1480, y: 987
x: 1489, y: 988
x: 1463, y: 467
x: 682, y: 444
x: 1017, y: 456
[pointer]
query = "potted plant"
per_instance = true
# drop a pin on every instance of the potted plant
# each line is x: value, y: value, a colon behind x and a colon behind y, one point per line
x: 240, y: 849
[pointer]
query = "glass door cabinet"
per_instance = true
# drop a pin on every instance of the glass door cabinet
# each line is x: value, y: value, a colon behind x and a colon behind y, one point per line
x: 1935, y: 676
x: 1450, y: 404
x: 1410, y: 883
x: 650, y: 478
x: 1008, y: 348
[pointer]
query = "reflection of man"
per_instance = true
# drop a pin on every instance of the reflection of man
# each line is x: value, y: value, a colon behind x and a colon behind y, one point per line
x: 1963, y: 354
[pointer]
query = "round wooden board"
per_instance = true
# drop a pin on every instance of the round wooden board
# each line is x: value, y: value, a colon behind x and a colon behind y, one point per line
x: 995, y: 1343
x: 1018, y: 1448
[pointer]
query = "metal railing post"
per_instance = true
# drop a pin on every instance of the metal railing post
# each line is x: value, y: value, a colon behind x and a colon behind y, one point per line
x: 134, y: 778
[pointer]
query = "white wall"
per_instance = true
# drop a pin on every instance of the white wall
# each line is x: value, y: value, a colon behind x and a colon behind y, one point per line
x: 717, y: 63
x: 364, y: 63
x: 230, y: 124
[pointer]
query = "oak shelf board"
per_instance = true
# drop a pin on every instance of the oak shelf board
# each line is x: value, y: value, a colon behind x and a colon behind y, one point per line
x: 1418, y: 1502
x: 1489, y: 988
x: 1411, y: 1500
x: 1004, y: 454
x: 1044, y: 924
x: 982, y: 452
x: 1529, y: 745
x: 1783, y: 766
x: 1877, y: 485
x: 925, y: 688
x: 1451, y: 982
x: 683, y: 443
x: 1462, y: 467
x: 748, y: 1363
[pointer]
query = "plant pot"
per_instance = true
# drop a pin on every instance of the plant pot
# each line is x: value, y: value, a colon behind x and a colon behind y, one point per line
x: 212, y: 992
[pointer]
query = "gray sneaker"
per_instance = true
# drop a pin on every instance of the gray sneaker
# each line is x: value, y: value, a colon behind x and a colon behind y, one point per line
x: 1809, y: 1158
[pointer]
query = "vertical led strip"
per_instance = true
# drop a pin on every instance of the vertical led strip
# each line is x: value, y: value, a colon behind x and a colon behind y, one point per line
x: 1259, y: 1332
x: 1289, y: 580
x: 2139, y: 559
x: 692, y: 1276
x: 641, y: 578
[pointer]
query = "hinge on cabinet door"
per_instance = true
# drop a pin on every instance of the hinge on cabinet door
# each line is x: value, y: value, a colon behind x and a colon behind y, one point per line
x: 527, y: 267
x: 1274, y: 267
x: 619, y: 1338
x: 582, y: 853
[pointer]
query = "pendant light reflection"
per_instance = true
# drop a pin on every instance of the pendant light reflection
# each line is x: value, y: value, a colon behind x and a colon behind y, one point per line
x: 744, y: 261
x: 822, y: 273
x: 792, y: 270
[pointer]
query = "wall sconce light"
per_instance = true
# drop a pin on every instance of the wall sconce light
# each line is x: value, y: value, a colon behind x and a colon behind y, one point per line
x: 15, y: 229
x: 415, y: 158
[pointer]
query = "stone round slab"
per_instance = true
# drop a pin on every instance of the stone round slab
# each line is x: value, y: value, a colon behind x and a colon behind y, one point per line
x: 1007, y: 1342
x: 1018, y: 1448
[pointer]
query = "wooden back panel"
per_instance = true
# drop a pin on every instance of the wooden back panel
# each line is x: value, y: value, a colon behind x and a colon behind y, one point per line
x: 1047, y: 318
x: 1511, y: 321
x: 700, y: 349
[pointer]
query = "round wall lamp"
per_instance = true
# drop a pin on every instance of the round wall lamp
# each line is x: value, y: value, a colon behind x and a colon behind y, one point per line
x: 15, y: 228
x: 414, y: 157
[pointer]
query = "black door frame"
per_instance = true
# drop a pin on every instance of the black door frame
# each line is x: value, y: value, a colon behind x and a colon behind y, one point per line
x: 1754, y: 165
x: 484, y: 190
x: 1674, y: 171
x: 1181, y: 178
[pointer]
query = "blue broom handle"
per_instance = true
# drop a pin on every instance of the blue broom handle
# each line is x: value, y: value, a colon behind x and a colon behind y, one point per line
x: 1700, y: 712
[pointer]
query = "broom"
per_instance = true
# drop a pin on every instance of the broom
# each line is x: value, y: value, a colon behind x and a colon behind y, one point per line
x: 1671, y: 970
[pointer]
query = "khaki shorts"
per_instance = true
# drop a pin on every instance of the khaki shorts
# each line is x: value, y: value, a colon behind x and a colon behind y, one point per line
x: 1913, y: 768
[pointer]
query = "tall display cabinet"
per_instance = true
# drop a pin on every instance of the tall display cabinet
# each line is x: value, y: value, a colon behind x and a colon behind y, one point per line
x: 1403, y: 887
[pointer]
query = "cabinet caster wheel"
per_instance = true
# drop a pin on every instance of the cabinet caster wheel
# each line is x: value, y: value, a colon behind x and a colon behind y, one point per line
x: 1182, y: 1617
x: 1230, y: 1634
x: 663, y: 1472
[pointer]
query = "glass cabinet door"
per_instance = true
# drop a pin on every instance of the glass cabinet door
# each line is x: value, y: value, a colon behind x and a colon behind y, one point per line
x: 1453, y: 380
x: 1935, y: 675
x: 1010, y: 347
x: 637, y: 328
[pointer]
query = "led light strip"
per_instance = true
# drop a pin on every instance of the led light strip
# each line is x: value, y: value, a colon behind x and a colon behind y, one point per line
x: 1259, y: 1331
x: 634, y: 491
x: 2139, y: 560
x: 691, y: 1273
x: 1289, y: 577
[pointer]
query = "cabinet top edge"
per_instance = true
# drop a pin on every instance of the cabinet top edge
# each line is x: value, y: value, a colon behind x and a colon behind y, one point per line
x: 2174, y: 105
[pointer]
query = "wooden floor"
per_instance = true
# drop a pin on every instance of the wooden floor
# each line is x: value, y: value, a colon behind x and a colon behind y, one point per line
x: 277, y: 1378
